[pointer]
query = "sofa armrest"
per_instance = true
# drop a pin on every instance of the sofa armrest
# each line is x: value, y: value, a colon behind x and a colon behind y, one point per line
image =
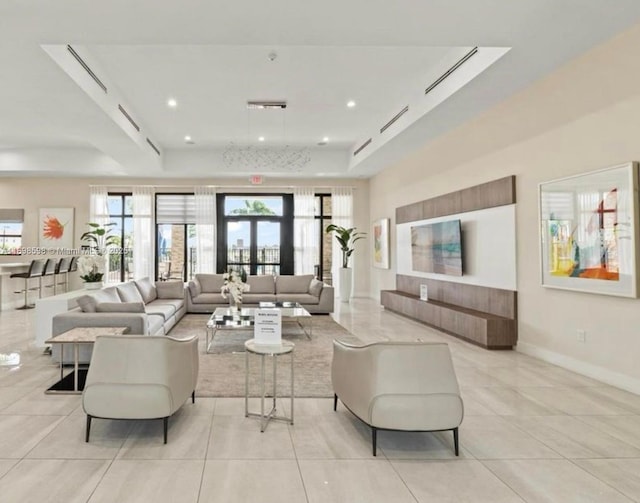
x: 326, y: 302
x: 137, y: 323
x: 194, y: 289
x: 353, y: 377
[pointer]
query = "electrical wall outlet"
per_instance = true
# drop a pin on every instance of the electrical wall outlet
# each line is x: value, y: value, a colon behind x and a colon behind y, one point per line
x: 582, y: 335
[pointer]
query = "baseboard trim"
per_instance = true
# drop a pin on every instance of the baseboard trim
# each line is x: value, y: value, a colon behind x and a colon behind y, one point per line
x: 586, y: 369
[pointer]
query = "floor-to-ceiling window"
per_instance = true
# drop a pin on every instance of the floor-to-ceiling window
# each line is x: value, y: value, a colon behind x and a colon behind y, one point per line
x: 175, y: 236
x: 323, y: 218
x: 120, y: 207
x: 255, y: 233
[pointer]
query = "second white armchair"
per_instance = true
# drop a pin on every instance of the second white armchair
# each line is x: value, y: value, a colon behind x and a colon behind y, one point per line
x: 408, y: 386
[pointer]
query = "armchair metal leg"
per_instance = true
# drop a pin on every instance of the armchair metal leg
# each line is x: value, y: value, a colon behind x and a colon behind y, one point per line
x: 455, y: 440
x: 335, y: 402
x: 86, y: 438
x: 374, y: 438
x: 193, y: 396
x: 166, y: 427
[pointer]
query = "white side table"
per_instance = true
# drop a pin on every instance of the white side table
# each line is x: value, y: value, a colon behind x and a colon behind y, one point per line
x: 263, y: 351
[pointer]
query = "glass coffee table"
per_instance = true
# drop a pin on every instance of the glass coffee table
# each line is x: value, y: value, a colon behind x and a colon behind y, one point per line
x: 225, y: 319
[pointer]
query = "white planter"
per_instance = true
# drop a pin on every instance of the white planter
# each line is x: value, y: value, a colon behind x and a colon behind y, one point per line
x: 346, y: 283
x: 93, y: 285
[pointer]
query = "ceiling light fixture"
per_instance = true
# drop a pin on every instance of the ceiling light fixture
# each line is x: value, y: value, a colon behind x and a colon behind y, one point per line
x: 351, y: 103
x: 252, y: 158
x: 277, y: 156
x: 172, y: 103
x: 275, y: 105
x: 325, y: 139
x: 187, y: 138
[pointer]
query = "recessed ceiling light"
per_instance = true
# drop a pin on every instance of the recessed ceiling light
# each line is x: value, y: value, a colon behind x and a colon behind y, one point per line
x: 325, y: 139
x: 172, y: 103
x: 261, y: 138
x: 187, y: 138
x: 351, y: 103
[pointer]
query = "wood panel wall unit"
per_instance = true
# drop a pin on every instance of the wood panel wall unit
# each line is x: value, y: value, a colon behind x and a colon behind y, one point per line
x: 482, y: 315
x: 487, y: 195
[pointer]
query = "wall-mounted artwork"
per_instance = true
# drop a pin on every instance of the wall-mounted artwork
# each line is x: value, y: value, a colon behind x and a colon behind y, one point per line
x: 55, y: 228
x: 589, y: 231
x: 381, y: 243
x: 437, y: 248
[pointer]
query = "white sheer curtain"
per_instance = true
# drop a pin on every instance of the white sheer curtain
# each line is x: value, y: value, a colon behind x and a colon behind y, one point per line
x: 342, y: 215
x: 205, y: 198
x: 98, y: 209
x: 143, y: 232
x: 305, y: 234
x: 99, y: 213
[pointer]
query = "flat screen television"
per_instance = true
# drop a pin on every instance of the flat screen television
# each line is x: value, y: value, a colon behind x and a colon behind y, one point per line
x: 437, y: 248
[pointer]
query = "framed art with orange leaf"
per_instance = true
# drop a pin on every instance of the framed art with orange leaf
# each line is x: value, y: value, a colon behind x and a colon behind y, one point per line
x: 589, y: 231
x: 55, y: 228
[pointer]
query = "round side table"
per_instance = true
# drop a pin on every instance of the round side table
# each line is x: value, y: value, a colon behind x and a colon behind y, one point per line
x: 263, y: 351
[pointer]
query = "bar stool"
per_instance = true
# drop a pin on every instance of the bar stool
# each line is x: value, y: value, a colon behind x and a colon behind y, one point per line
x: 73, y: 267
x: 49, y: 271
x: 62, y: 269
x: 36, y: 268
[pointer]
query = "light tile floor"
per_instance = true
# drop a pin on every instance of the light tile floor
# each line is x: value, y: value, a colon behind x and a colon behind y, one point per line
x: 532, y: 432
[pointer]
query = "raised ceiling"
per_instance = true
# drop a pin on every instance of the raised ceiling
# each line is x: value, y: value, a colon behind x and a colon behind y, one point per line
x: 214, y: 56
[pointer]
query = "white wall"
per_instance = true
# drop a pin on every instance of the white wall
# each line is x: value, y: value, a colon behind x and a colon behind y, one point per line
x: 583, y: 117
x: 488, y: 248
x: 37, y: 192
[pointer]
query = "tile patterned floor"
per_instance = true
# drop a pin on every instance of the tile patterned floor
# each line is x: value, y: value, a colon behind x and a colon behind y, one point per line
x: 532, y: 433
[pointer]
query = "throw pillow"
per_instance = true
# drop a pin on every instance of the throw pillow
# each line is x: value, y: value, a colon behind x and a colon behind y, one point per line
x: 87, y: 303
x: 120, y: 307
x: 293, y: 284
x: 108, y: 294
x: 315, y: 287
x: 261, y: 284
x: 170, y: 290
x: 210, y: 283
x: 146, y: 289
x: 129, y: 293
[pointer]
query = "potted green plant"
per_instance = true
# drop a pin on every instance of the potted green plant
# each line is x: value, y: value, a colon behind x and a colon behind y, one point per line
x: 346, y: 237
x: 99, y: 237
x: 92, y: 265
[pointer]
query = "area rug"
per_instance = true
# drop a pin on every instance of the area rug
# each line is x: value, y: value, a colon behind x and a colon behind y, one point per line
x: 222, y: 372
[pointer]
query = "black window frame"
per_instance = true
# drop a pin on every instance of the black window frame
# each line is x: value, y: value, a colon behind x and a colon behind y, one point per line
x: 3, y: 236
x: 286, y: 232
x: 322, y: 217
x: 122, y: 217
x: 185, y: 251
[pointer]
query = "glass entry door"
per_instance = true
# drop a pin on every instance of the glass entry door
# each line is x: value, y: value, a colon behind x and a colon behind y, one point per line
x: 254, y: 246
x: 258, y: 233
x: 239, y: 245
x: 268, y: 248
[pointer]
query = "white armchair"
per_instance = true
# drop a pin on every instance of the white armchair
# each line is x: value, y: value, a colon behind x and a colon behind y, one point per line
x: 140, y: 377
x: 408, y: 386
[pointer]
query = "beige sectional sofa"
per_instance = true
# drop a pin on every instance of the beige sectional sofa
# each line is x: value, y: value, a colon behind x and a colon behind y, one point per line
x: 203, y: 293
x: 141, y: 306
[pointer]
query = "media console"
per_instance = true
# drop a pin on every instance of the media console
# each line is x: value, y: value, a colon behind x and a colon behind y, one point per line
x: 484, y: 316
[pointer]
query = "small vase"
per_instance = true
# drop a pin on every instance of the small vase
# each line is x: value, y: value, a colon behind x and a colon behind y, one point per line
x: 234, y: 305
x: 93, y: 285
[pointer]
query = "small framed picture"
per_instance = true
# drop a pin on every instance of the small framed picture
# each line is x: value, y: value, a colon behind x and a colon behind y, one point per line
x: 381, y: 243
x: 55, y: 228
